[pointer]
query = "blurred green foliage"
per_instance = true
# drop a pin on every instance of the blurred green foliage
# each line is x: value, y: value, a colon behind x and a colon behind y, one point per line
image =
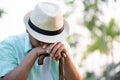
x: 90, y: 76
x: 102, y: 36
x: 73, y: 41
x: 109, y: 33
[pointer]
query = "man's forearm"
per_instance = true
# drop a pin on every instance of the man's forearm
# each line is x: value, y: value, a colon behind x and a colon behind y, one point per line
x: 71, y: 73
x: 21, y: 72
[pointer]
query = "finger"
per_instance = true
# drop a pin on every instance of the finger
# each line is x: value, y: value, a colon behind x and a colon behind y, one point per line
x: 50, y: 47
x: 58, y: 57
x: 54, y: 50
x: 63, y: 54
x: 59, y: 51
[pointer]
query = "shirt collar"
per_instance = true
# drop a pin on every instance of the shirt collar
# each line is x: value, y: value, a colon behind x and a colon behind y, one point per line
x: 28, y: 46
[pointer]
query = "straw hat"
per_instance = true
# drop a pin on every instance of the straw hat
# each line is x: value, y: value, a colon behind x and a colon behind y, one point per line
x: 45, y: 23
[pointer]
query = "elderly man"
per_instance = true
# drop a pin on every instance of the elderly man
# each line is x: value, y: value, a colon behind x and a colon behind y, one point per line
x: 46, y: 33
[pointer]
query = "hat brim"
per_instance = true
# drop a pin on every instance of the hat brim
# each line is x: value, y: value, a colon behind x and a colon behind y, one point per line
x: 45, y: 38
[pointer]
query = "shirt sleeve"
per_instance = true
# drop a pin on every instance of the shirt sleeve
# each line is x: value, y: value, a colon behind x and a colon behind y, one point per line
x: 7, y: 57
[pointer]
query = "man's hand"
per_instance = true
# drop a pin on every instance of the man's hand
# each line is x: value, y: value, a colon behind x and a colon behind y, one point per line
x: 39, y: 50
x: 56, y: 50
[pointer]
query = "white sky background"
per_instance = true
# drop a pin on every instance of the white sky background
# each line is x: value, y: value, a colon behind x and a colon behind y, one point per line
x: 11, y: 22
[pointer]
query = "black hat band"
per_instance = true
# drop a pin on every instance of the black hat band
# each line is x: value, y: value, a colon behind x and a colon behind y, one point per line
x: 45, y: 32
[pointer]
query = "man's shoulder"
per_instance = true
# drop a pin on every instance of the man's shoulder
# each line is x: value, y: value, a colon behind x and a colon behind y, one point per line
x: 15, y: 38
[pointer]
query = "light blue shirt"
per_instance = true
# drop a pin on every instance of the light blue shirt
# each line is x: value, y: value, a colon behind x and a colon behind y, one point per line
x: 14, y: 49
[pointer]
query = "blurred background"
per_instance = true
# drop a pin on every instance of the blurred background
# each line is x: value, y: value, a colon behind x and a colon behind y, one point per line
x: 94, y: 36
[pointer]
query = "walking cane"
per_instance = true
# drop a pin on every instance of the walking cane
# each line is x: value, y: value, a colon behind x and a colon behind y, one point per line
x: 61, y: 64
